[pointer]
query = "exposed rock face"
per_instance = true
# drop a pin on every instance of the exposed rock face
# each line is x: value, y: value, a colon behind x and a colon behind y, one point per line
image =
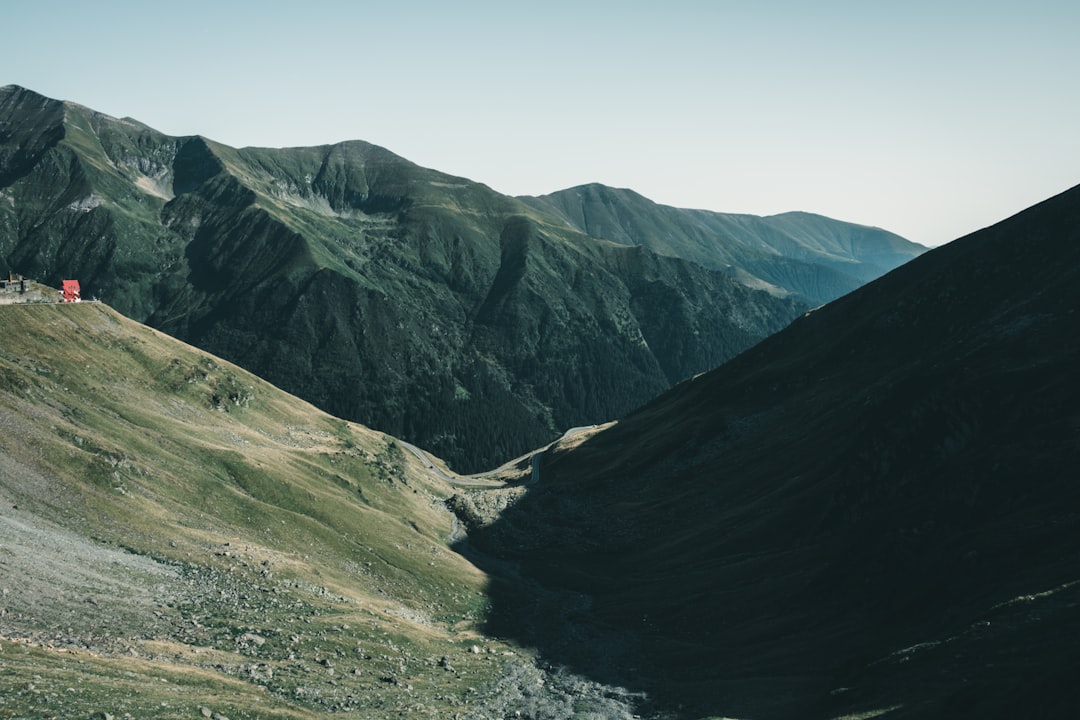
x: 421, y: 304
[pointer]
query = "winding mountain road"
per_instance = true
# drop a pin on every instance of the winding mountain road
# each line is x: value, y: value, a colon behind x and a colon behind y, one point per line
x: 457, y: 533
x: 476, y: 479
x: 457, y: 530
x: 442, y: 475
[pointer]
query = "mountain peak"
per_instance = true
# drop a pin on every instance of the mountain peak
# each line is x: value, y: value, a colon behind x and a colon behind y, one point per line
x: 18, y: 90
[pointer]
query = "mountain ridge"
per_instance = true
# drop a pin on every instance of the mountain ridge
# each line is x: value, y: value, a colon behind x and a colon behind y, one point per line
x: 820, y: 259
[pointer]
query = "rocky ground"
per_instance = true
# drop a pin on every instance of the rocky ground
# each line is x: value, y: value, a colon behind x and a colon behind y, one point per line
x: 73, y: 609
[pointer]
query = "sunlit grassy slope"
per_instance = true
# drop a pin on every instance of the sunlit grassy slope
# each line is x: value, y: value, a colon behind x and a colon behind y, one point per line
x: 177, y: 534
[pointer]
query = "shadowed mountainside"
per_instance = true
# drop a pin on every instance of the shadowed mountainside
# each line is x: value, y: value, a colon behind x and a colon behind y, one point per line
x: 422, y: 304
x: 873, y: 511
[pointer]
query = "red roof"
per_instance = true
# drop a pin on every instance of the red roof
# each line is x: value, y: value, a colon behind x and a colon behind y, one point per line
x: 71, y: 291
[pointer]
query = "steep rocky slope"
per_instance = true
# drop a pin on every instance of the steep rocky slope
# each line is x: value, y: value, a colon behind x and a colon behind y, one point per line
x: 873, y: 512
x: 419, y: 303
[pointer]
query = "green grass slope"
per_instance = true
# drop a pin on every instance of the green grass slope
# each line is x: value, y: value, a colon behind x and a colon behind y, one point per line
x: 873, y: 513
x: 176, y: 534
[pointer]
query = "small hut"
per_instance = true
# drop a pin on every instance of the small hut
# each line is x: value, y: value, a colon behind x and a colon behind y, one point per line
x: 70, y: 291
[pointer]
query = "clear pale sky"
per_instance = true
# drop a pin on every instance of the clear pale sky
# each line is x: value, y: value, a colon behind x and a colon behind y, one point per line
x: 930, y: 119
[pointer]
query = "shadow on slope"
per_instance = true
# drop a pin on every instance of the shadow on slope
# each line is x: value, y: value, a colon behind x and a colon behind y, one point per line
x: 874, y: 511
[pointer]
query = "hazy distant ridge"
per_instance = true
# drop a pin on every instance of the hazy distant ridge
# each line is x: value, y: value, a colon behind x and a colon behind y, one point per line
x: 812, y: 256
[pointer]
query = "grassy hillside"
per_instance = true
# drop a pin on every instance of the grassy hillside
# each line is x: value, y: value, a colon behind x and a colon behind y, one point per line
x: 177, y: 534
x: 872, y: 513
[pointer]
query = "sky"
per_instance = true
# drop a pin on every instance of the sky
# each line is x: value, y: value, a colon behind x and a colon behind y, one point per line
x: 929, y: 119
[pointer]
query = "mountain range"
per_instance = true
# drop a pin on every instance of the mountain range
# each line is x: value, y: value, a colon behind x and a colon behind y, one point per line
x: 425, y: 305
x: 870, y: 513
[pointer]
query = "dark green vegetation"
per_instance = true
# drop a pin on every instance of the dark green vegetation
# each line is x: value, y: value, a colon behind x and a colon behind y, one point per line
x: 424, y: 305
x: 875, y: 512
x: 176, y: 534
